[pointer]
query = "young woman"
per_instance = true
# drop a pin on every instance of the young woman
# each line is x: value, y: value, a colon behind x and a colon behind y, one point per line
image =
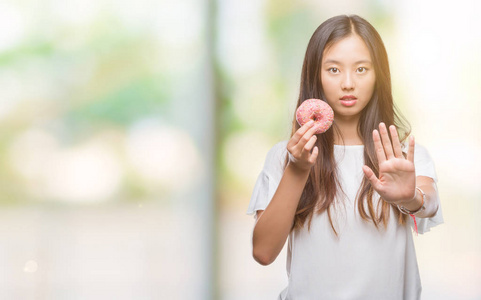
x: 346, y: 199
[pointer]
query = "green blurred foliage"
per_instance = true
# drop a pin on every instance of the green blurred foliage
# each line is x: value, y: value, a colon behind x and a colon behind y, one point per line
x: 98, y: 77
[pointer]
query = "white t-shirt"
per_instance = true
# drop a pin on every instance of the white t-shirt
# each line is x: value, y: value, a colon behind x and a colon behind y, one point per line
x: 363, y: 262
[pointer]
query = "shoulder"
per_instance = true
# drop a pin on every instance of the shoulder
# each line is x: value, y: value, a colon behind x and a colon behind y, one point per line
x: 279, y: 147
x: 278, y: 150
x: 423, y: 162
x: 277, y: 154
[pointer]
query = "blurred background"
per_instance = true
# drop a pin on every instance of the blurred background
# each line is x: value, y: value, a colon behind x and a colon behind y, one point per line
x: 132, y: 133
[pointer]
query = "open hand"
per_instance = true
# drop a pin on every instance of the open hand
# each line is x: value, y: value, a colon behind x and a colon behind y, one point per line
x: 397, y: 179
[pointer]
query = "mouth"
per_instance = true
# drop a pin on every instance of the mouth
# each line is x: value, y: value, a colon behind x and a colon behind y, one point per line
x: 348, y: 97
x: 348, y: 100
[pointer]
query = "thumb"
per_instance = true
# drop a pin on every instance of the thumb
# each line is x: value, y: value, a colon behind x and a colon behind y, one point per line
x: 371, y: 176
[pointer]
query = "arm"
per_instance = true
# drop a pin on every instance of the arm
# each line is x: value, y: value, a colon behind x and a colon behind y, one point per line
x: 274, y: 223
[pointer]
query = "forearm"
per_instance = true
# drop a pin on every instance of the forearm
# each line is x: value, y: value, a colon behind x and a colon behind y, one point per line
x: 274, y: 225
x: 431, y: 203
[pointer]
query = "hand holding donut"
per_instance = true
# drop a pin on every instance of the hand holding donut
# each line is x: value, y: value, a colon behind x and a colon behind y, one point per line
x: 397, y: 178
x: 315, y: 117
x: 300, y: 145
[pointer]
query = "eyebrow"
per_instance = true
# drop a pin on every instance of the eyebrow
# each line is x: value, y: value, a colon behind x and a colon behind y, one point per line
x: 339, y: 63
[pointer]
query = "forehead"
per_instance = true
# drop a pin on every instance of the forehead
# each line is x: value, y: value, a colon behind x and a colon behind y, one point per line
x: 347, y: 50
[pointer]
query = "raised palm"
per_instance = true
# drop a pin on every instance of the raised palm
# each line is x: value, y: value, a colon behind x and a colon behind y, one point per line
x: 397, y: 178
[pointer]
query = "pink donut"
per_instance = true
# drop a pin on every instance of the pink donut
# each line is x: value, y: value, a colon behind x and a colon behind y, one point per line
x: 317, y: 110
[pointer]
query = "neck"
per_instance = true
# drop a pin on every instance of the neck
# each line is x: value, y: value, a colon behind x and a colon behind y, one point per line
x: 348, y: 128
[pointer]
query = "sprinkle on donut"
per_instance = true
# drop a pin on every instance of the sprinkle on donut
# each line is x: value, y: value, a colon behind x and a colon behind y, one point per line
x: 317, y: 110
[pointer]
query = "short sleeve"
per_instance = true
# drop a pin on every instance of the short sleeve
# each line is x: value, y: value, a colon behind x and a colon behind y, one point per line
x: 424, y: 166
x: 268, y: 179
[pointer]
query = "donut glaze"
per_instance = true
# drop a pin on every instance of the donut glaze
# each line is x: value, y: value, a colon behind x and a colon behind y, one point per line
x: 317, y: 110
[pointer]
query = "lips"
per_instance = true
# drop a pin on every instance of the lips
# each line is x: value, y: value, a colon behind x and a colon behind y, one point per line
x: 348, y: 100
x: 348, y: 97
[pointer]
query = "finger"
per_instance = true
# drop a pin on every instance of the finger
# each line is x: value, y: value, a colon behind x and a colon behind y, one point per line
x: 381, y: 157
x: 313, y: 157
x: 396, y: 143
x: 306, y: 138
x: 411, y: 149
x: 308, y: 147
x: 299, y: 133
x: 371, y: 176
x: 386, y: 141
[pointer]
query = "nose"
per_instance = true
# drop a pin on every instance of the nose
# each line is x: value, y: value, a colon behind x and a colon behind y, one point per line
x: 347, y: 82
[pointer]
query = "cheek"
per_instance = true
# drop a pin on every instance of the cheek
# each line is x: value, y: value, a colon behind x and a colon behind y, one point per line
x: 328, y: 85
x: 369, y: 86
x: 373, y: 85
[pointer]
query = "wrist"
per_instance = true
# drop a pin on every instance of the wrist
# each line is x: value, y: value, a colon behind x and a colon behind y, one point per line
x: 414, y: 205
x: 297, y: 170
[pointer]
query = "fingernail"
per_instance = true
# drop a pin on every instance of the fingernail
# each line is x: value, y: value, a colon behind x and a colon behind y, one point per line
x: 310, y: 122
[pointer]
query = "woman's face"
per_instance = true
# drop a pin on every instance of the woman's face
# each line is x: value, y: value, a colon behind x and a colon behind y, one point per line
x: 347, y: 77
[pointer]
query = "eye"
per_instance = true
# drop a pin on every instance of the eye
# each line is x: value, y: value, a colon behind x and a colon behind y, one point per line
x: 362, y: 70
x: 333, y: 70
